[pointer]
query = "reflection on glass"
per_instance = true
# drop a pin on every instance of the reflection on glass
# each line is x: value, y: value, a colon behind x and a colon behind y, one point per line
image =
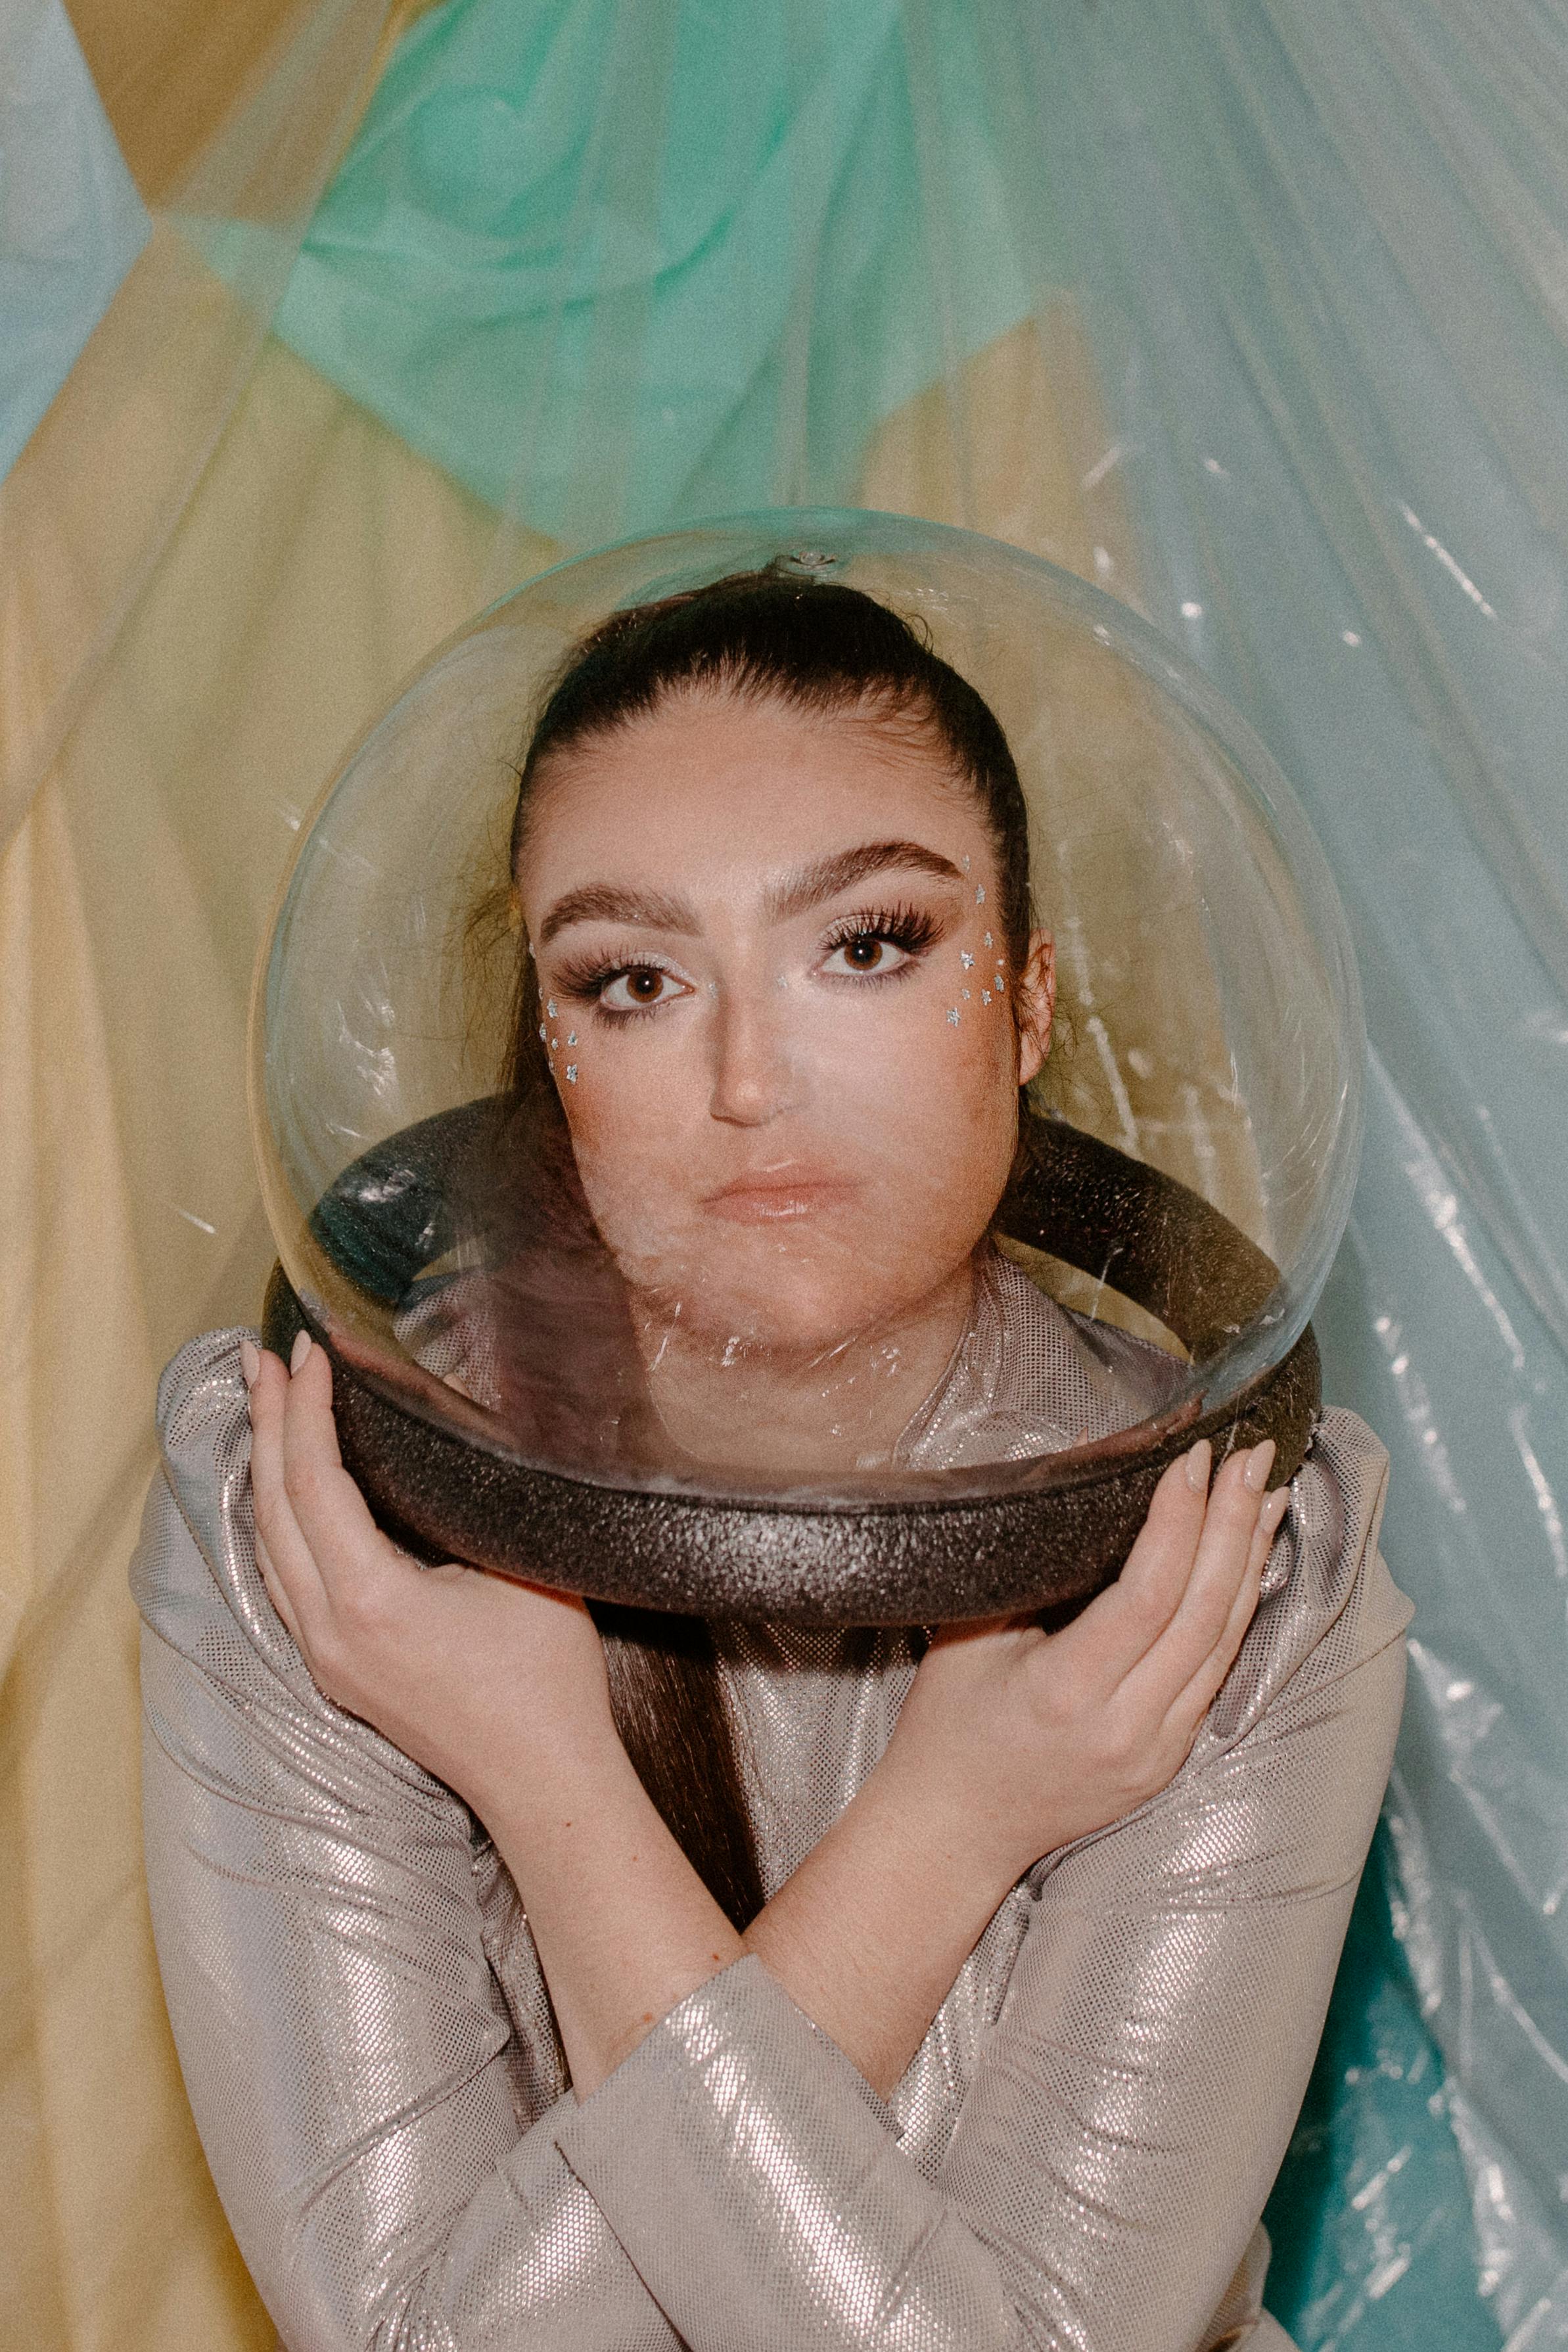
x: 664, y: 1005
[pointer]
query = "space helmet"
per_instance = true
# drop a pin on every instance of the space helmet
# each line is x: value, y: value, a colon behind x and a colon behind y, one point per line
x: 663, y: 1118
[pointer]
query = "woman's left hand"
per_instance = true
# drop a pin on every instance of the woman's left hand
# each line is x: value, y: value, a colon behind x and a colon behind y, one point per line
x: 468, y: 1672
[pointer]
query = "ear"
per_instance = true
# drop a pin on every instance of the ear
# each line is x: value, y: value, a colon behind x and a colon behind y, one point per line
x: 1037, y: 1002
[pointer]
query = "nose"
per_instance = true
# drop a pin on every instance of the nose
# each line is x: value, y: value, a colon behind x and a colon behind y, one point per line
x: 753, y: 1081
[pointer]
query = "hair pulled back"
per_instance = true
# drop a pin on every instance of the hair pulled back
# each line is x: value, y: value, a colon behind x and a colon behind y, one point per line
x: 813, y: 646
x: 773, y: 635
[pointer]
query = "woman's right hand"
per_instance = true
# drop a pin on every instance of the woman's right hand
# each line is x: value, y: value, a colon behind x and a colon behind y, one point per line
x: 1024, y: 1741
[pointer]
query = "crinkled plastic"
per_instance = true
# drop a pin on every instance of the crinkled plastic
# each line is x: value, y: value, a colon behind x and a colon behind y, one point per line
x: 603, y: 297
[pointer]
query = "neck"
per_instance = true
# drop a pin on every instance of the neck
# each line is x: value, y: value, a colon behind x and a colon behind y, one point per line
x: 742, y: 1407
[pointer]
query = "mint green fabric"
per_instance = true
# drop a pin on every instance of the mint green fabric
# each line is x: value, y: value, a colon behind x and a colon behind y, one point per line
x: 579, y: 252
x: 1373, y: 2236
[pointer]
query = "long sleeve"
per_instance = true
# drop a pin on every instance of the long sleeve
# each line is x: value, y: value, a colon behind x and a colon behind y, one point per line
x: 1130, y: 2106
x: 368, y: 2048
x: 379, y: 2123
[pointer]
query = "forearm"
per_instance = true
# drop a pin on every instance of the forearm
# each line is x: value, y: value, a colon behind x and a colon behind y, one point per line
x: 625, y: 1927
x: 866, y: 1938
x: 870, y: 1932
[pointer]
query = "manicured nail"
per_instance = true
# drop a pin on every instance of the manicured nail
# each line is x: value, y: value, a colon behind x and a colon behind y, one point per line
x: 301, y: 1349
x: 1260, y: 1463
x: 1198, y: 1462
x: 249, y: 1361
x: 1275, y: 1507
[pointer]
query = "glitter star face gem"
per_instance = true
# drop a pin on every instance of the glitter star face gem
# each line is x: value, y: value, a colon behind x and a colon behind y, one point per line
x: 985, y: 996
x: 952, y: 1016
x: 571, y: 1074
x: 979, y: 893
x: 572, y: 1037
x: 550, y: 1010
x: 968, y: 959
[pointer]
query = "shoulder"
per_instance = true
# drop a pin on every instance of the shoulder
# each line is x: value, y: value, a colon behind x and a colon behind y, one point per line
x: 194, y: 1569
x: 220, y: 1657
x: 1329, y: 1605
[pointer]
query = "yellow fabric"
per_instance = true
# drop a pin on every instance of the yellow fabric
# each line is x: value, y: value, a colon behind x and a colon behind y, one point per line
x: 318, y: 562
x: 185, y: 722
x: 171, y: 73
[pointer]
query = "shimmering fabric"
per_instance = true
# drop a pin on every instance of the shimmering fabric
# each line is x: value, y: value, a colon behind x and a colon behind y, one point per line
x: 1076, y: 2159
x: 1029, y: 1378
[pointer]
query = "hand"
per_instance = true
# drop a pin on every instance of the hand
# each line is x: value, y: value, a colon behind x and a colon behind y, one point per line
x: 466, y: 1672
x: 1024, y: 1741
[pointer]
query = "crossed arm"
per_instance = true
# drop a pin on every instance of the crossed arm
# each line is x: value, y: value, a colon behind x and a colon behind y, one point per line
x: 388, y: 2133
x: 1011, y: 1744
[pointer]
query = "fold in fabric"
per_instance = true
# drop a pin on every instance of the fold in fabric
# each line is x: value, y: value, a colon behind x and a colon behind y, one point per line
x: 1074, y: 2162
x: 604, y: 296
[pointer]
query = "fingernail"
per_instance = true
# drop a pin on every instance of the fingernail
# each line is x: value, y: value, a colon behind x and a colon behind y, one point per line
x: 1260, y: 1463
x: 1198, y: 1462
x: 300, y: 1349
x: 250, y: 1363
x: 1275, y: 1507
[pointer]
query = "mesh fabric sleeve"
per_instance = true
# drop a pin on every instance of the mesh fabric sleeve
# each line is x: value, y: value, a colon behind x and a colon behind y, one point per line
x: 389, y: 2134
x: 1130, y: 2105
x: 381, y: 2134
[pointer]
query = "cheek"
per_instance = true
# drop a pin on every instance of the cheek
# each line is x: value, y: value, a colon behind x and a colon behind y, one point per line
x: 946, y: 1056
x: 954, y: 1094
x: 620, y: 1106
x: 917, y: 1093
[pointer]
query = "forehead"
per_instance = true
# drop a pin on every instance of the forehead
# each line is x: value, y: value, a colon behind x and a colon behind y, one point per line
x: 720, y: 785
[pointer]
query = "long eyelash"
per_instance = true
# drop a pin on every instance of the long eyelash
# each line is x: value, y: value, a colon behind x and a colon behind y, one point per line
x: 913, y: 928
x: 588, y: 978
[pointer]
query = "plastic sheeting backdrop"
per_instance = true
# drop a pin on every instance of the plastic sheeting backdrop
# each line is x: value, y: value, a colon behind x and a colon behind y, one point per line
x: 1254, y: 313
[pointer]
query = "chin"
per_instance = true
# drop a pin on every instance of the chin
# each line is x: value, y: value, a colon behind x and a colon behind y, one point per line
x: 795, y: 1290
x: 800, y: 1311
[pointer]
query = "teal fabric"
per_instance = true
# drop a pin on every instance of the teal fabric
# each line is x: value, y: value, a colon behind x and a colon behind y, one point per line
x: 1370, y: 2218
x: 580, y: 252
x: 614, y: 266
x: 71, y: 222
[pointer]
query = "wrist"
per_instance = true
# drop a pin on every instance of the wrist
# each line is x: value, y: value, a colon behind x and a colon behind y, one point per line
x: 544, y: 1767
x: 969, y: 1834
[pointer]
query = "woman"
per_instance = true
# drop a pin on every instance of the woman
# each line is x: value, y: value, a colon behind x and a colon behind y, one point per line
x: 970, y: 1997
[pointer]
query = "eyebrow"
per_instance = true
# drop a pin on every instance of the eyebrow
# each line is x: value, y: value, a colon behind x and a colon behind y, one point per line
x: 601, y: 902
x: 793, y: 894
x: 809, y: 886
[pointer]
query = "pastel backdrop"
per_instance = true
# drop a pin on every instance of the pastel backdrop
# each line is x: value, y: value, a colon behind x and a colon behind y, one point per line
x: 321, y: 325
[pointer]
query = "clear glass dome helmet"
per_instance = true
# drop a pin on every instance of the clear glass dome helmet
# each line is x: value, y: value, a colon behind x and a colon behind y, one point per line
x: 1185, y: 1158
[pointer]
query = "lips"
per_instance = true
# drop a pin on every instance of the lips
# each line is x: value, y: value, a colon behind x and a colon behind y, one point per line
x: 776, y: 1197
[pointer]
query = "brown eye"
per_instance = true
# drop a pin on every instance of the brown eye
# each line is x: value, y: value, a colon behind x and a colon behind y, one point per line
x: 641, y: 988
x: 865, y: 952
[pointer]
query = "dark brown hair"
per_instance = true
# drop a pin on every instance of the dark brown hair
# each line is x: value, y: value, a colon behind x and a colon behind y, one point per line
x: 771, y: 635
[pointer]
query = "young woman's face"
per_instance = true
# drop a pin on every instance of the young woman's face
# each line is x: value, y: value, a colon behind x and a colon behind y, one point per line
x: 779, y: 1014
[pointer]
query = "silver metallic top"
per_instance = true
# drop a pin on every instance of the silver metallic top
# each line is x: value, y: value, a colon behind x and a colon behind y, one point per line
x: 1076, y: 2159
